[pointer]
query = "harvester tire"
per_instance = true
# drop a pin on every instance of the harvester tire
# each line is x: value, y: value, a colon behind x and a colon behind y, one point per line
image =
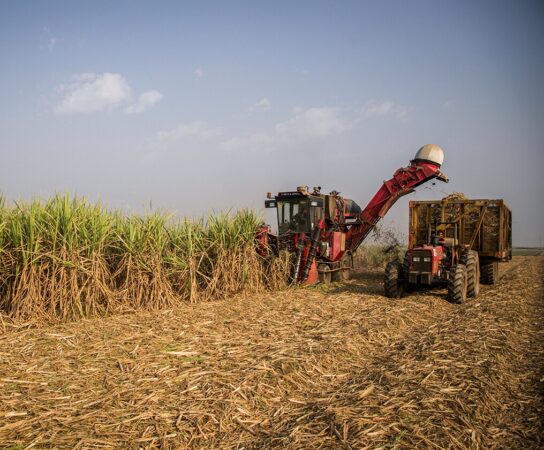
x: 473, y: 273
x: 393, y: 282
x: 341, y: 269
x: 324, y: 272
x: 345, y: 267
x: 457, y: 284
x: 490, y: 273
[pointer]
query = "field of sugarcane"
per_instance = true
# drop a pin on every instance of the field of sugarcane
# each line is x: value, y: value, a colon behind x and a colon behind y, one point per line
x: 65, y: 258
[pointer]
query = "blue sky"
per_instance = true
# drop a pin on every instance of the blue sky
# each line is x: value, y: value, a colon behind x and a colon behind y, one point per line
x: 201, y: 106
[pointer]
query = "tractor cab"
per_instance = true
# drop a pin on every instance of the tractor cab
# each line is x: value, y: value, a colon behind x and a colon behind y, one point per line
x: 445, y: 235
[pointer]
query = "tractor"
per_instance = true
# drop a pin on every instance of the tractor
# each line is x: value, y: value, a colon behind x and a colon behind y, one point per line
x: 322, y: 231
x: 443, y: 261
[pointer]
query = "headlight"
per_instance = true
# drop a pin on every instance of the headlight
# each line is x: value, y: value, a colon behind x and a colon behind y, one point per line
x: 427, y: 259
x: 416, y: 259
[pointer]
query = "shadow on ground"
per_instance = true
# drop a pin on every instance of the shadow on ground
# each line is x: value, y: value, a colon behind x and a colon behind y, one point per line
x: 370, y: 282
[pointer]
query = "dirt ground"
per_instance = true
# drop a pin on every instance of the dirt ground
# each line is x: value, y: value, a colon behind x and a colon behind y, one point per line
x: 336, y: 368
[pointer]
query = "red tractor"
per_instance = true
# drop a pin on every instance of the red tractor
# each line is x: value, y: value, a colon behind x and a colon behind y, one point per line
x: 323, y: 231
x: 441, y: 262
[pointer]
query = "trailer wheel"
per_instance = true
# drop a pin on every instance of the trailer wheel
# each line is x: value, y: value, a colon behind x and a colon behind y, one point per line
x: 457, y: 284
x: 473, y: 273
x: 324, y: 272
x: 490, y: 273
x: 393, y: 282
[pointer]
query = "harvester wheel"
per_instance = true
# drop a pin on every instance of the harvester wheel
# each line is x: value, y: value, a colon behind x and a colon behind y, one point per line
x: 490, y: 273
x: 457, y: 284
x: 473, y: 273
x: 324, y: 272
x: 340, y: 274
x: 345, y: 268
x: 393, y: 282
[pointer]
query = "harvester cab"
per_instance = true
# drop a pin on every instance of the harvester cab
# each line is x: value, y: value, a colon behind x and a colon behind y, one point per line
x: 298, y: 211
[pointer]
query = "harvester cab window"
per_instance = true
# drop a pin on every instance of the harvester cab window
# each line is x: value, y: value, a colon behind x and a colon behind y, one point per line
x: 293, y: 216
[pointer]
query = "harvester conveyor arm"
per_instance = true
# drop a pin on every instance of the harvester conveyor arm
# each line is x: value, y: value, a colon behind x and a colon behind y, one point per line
x: 404, y: 181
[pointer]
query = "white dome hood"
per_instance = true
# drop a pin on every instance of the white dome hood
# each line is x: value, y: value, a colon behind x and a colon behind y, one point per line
x: 432, y: 153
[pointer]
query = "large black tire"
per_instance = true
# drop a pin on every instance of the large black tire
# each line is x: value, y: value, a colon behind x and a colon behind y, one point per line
x: 472, y: 262
x: 393, y: 281
x: 406, y: 263
x: 457, y: 284
x: 407, y: 287
x: 490, y: 273
x: 324, y: 272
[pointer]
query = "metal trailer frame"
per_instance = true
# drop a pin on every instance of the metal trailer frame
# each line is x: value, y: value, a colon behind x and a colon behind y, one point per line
x: 483, y: 225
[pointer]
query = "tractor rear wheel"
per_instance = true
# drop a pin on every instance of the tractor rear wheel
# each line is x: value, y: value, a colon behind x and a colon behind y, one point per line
x: 473, y: 273
x: 490, y: 273
x: 324, y: 272
x: 393, y: 282
x: 457, y: 284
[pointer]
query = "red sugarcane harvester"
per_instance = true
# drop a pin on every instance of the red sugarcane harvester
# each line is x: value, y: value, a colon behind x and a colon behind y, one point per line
x: 323, y: 231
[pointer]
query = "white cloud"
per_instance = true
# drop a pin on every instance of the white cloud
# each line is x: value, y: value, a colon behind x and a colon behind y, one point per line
x: 195, y: 136
x: 190, y: 130
x: 313, y: 123
x: 253, y: 141
x: 303, y: 126
x: 89, y: 92
x: 374, y: 110
x: 262, y: 105
x: 146, y: 100
x: 199, y: 72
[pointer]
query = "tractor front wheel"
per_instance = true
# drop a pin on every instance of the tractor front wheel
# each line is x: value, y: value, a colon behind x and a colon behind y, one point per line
x: 457, y: 284
x: 393, y: 282
x: 473, y: 273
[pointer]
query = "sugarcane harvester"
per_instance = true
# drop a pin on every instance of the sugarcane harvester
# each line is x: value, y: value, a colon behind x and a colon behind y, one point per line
x: 323, y: 231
